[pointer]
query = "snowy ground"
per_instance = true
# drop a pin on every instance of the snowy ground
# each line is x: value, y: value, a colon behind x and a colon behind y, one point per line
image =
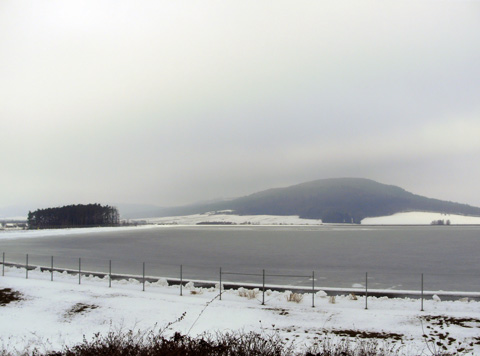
x: 52, y: 314
x: 421, y: 218
x: 228, y: 217
x: 409, y: 218
x: 19, y: 234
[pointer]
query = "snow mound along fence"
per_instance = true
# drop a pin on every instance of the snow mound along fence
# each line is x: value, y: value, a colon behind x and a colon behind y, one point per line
x: 261, y: 281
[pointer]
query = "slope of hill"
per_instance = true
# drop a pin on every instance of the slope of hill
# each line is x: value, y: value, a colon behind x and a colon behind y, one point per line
x: 339, y: 200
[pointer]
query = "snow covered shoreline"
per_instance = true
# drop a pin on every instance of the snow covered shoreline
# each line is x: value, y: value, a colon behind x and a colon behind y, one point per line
x: 43, y: 317
x: 407, y: 218
x: 228, y: 219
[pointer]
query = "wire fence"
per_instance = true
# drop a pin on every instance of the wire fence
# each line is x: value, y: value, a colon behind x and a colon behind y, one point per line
x: 146, y: 272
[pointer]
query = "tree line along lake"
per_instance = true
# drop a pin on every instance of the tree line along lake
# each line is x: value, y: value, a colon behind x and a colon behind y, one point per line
x: 341, y: 255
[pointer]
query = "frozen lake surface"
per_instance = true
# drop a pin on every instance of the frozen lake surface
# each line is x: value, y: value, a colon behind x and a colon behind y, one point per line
x: 394, y: 256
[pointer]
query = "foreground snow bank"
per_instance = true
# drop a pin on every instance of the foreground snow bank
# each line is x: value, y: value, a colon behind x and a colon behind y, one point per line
x: 52, y: 314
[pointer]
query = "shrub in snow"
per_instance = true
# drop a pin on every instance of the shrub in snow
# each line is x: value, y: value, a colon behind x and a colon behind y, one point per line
x: 134, y: 343
x: 332, y: 300
x: 293, y: 297
x: 248, y: 293
x: 241, y: 292
x: 352, y: 296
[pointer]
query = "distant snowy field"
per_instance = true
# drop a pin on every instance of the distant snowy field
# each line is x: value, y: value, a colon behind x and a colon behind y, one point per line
x: 18, y: 234
x: 421, y: 218
x: 227, y: 218
x: 410, y: 218
x: 45, y: 318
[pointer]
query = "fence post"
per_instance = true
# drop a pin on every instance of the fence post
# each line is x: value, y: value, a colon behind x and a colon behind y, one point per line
x: 143, y: 279
x: 366, y: 290
x: 79, y: 270
x: 313, y: 289
x: 421, y: 309
x: 3, y: 264
x: 263, y: 288
x: 51, y: 269
x: 109, y: 273
x: 181, y: 280
x: 220, y: 285
x: 26, y: 267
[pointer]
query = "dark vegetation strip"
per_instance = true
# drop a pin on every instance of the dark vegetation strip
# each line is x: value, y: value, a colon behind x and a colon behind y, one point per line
x: 8, y: 295
x: 227, y: 344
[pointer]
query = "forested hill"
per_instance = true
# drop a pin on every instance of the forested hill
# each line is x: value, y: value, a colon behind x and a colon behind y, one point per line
x: 340, y: 200
x: 343, y: 200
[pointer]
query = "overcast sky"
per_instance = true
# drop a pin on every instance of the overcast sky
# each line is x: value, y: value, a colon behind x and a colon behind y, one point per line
x: 172, y: 102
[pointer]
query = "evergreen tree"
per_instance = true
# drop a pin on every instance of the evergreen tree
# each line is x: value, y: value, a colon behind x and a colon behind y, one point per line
x: 74, y: 216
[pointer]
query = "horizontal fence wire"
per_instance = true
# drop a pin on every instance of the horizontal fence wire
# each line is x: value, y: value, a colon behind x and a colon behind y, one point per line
x: 287, y: 275
x: 156, y: 272
x: 242, y: 274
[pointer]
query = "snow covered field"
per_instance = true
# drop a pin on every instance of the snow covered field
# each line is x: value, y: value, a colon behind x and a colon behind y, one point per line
x: 409, y: 218
x: 51, y: 314
x: 421, y: 218
x: 229, y: 218
x: 19, y: 234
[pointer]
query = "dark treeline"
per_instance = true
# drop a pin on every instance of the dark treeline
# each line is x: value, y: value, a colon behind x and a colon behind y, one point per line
x: 73, y: 215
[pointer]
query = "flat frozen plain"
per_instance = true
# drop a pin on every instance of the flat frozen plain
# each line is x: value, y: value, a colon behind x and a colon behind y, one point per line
x: 44, y: 318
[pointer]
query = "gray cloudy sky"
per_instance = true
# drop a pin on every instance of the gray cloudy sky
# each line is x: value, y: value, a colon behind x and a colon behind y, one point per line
x: 171, y: 102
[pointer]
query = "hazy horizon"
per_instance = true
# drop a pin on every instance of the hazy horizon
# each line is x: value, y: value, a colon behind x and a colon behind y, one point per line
x: 168, y: 103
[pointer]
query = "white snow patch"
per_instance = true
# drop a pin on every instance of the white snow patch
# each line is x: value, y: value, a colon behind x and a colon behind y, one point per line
x: 18, y: 234
x: 421, y: 218
x: 223, y: 218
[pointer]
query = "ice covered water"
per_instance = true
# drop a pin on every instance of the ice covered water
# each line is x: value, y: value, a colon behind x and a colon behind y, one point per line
x: 394, y: 257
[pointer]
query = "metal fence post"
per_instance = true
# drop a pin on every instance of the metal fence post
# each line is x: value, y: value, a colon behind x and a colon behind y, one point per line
x: 421, y: 309
x: 51, y: 268
x: 366, y: 290
x: 26, y: 267
x: 181, y: 280
x: 263, y: 288
x: 313, y: 289
x: 3, y: 264
x: 143, y: 280
x: 79, y: 270
x: 109, y: 273
x: 220, y: 285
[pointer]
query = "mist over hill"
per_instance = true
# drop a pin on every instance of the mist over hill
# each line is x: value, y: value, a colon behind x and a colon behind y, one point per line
x: 338, y: 200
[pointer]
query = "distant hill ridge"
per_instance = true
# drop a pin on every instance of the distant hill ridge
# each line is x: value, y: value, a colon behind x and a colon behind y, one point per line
x: 338, y: 200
